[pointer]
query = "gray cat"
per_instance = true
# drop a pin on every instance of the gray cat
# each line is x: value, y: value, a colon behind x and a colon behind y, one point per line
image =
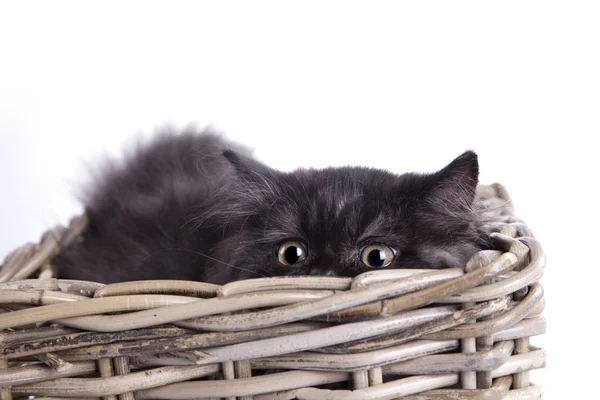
x: 193, y: 206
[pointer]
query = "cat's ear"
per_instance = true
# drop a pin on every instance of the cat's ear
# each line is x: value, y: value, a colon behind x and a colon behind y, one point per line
x: 249, y: 169
x: 453, y: 187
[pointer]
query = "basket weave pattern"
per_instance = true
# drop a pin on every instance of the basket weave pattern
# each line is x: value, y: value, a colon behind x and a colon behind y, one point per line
x: 457, y: 333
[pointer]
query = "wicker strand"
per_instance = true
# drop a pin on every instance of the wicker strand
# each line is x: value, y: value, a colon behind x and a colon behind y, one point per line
x: 375, y: 376
x: 360, y: 379
x: 521, y: 379
x: 105, y: 367
x: 5, y: 391
x: 243, y: 370
x: 121, y: 365
x: 228, y: 373
x: 54, y: 361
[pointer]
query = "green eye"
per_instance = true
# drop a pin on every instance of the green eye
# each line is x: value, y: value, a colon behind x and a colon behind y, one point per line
x: 291, y: 252
x: 377, y: 255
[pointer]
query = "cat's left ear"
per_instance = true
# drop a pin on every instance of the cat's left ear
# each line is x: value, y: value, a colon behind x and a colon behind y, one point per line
x: 249, y: 169
x: 455, y: 184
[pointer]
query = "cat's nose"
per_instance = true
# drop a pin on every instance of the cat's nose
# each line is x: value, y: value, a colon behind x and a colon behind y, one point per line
x: 322, y: 270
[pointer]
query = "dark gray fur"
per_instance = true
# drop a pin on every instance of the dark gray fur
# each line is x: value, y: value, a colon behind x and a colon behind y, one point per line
x: 193, y: 206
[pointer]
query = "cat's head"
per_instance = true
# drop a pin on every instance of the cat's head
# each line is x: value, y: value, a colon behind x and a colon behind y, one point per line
x: 344, y: 221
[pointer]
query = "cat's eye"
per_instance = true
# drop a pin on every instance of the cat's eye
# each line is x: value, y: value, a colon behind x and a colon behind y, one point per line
x: 377, y: 255
x: 291, y: 252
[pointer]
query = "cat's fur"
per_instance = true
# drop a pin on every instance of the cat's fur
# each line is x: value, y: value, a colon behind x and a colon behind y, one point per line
x: 193, y: 206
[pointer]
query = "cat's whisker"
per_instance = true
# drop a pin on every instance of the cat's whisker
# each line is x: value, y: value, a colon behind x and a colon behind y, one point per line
x: 222, y: 262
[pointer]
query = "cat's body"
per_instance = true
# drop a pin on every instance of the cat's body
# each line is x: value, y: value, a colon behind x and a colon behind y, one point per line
x: 187, y: 207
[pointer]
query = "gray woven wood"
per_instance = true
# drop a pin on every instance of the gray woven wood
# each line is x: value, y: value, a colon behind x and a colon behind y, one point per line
x: 458, y: 333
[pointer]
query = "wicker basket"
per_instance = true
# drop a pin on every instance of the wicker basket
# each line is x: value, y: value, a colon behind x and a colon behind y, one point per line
x: 459, y: 333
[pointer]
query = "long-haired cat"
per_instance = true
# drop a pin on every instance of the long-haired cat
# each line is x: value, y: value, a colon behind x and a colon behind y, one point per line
x: 194, y: 206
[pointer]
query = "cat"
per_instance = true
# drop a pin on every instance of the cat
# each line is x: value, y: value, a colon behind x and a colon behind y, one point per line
x: 194, y: 206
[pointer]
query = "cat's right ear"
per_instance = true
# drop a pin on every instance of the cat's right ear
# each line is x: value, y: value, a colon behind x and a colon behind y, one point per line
x: 249, y: 169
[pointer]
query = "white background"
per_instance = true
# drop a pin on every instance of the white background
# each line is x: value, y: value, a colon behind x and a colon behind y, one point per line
x: 391, y: 85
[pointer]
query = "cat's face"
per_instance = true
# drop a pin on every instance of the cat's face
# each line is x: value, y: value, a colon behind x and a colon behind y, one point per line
x: 345, y: 221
